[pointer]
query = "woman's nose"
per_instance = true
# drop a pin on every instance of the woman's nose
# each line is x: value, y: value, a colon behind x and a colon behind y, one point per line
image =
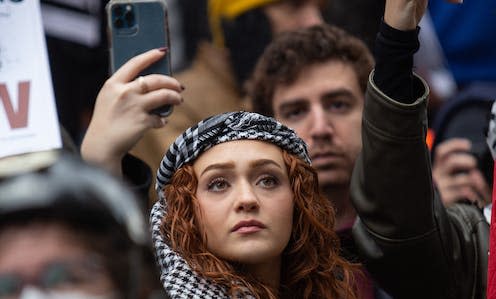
x: 247, y: 199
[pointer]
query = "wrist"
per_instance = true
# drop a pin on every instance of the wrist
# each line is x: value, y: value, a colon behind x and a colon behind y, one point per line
x: 400, y: 16
x: 98, y: 154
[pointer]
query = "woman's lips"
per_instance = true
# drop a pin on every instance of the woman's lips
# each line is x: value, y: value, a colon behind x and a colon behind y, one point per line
x: 248, y: 229
x: 248, y: 226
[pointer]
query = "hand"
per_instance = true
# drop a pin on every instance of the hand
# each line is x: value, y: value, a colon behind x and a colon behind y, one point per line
x: 456, y: 175
x: 122, y: 111
x: 406, y: 14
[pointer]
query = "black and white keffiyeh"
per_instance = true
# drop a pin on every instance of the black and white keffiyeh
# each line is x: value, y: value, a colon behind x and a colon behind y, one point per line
x: 179, y: 280
x: 222, y: 128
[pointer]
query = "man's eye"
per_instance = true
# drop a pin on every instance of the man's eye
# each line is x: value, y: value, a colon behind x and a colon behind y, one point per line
x: 217, y: 185
x: 295, y: 113
x: 338, y: 106
x: 268, y: 182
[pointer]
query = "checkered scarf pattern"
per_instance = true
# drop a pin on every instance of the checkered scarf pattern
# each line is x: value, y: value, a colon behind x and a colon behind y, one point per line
x: 178, y: 279
x: 222, y: 128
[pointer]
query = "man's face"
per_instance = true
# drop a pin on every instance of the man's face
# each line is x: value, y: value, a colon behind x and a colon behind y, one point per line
x: 324, y: 106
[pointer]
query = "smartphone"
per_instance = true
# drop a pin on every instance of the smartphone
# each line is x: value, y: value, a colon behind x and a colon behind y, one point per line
x: 134, y: 27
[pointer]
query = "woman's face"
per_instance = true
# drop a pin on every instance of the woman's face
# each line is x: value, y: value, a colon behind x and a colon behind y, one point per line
x: 245, y: 200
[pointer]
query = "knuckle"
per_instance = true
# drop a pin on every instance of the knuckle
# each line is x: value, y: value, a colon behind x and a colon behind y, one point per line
x: 125, y: 91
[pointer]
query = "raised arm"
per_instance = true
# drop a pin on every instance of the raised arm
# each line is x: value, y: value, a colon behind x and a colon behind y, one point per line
x: 404, y: 233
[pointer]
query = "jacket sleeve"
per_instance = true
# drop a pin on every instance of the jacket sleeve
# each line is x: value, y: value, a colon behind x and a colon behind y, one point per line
x: 403, y: 230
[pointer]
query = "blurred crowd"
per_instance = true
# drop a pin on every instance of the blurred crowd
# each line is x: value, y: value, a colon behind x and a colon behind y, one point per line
x: 390, y: 101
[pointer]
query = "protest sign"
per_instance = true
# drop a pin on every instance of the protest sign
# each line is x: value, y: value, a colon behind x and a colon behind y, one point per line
x: 28, y: 117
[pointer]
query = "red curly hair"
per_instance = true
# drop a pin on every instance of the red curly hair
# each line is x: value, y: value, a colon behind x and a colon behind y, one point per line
x: 311, y: 265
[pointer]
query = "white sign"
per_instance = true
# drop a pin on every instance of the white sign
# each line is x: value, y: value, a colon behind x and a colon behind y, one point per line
x: 28, y: 117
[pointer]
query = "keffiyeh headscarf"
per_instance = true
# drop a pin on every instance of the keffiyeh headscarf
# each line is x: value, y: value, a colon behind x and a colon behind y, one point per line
x: 178, y: 279
x: 222, y: 128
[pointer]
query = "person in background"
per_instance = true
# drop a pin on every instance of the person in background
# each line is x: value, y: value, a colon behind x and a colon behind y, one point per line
x: 462, y: 163
x: 407, y: 237
x: 314, y: 80
x: 70, y: 230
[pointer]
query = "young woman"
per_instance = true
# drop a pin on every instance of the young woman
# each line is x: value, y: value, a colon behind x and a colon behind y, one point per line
x: 240, y: 215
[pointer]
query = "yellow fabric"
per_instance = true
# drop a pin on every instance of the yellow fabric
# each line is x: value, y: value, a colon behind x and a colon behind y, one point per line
x: 229, y: 9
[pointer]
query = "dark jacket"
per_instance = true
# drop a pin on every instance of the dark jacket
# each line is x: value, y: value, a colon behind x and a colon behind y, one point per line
x: 411, y: 244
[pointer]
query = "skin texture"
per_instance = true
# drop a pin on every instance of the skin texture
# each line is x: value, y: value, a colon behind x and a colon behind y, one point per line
x: 251, y: 186
x: 406, y: 14
x: 326, y: 114
x: 45, y: 244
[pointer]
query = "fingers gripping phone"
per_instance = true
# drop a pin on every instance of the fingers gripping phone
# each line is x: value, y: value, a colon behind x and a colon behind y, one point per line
x: 134, y: 27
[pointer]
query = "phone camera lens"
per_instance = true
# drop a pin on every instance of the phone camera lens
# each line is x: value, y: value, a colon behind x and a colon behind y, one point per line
x: 129, y: 17
x: 118, y: 23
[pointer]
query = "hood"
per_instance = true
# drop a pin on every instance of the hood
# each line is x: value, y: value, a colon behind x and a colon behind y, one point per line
x: 178, y: 279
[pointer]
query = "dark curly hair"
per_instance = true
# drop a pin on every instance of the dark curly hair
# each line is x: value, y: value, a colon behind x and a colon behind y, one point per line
x: 285, y: 58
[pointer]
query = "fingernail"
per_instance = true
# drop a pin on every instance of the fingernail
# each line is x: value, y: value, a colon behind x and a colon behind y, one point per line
x: 163, y: 49
x: 164, y: 121
x: 182, y: 87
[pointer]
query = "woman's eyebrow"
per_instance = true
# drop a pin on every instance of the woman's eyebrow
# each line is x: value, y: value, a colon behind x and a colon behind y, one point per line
x: 230, y: 165
x: 264, y: 162
x: 216, y: 166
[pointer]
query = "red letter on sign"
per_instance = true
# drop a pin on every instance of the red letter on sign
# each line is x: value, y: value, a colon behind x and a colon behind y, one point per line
x: 17, y: 119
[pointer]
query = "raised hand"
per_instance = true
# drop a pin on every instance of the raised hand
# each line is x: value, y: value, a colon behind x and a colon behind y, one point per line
x: 122, y: 111
x: 406, y: 14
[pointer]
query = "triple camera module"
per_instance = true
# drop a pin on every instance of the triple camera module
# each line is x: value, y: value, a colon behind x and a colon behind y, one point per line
x: 123, y: 16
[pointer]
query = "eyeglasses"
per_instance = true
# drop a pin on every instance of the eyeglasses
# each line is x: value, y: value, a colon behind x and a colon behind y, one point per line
x: 81, y: 274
